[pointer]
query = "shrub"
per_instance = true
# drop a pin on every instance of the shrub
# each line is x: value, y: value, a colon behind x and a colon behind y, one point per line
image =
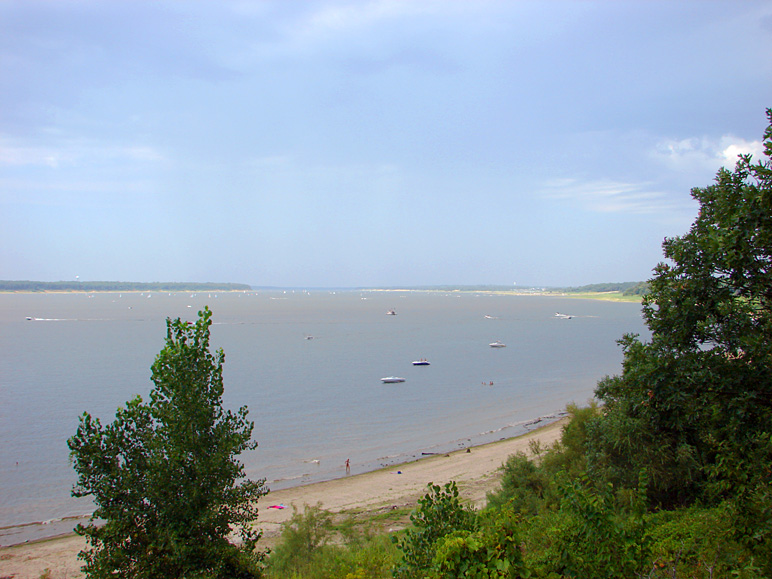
x: 439, y: 513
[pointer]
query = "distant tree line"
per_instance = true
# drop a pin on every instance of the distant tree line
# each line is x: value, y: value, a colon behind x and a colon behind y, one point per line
x: 626, y: 288
x: 106, y: 286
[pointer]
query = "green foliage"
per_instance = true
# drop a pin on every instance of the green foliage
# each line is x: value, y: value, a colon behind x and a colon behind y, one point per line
x: 522, y: 486
x: 569, y: 453
x: 641, y: 431
x: 639, y: 289
x: 302, y: 537
x: 693, y: 406
x: 601, y: 287
x: 164, y: 476
x: 697, y: 542
x: 439, y: 513
x: 527, y: 486
x: 555, y: 524
x: 491, y: 551
x: 311, y: 548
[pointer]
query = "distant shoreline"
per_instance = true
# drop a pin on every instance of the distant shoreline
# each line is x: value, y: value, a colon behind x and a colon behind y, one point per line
x: 612, y: 296
x: 33, y: 286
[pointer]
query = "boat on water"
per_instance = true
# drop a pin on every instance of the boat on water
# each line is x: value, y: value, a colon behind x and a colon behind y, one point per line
x: 497, y: 344
x: 391, y: 313
x: 563, y: 316
x: 421, y: 362
x: 392, y: 380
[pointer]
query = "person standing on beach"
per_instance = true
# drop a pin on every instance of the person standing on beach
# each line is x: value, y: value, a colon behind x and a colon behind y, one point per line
x: 348, y: 466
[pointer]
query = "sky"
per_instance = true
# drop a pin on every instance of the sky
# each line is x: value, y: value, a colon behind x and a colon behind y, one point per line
x: 395, y: 143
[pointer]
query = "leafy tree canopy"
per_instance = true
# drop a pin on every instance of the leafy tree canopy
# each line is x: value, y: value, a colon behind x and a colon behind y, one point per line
x: 167, y: 486
x: 693, y: 406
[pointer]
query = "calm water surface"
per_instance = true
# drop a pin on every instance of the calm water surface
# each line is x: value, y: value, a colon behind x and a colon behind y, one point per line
x: 308, y: 366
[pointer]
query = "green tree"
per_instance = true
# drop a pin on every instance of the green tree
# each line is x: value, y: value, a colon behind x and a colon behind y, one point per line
x: 439, y: 513
x: 164, y: 476
x: 490, y: 552
x: 693, y: 405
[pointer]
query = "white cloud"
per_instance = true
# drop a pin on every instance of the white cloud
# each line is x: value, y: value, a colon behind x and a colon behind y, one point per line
x: 71, y: 153
x: 345, y: 16
x: 704, y: 154
x: 607, y: 196
x: 18, y: 155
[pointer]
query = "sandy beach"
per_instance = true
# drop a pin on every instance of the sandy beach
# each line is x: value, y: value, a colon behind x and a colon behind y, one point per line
x: 396, y: 489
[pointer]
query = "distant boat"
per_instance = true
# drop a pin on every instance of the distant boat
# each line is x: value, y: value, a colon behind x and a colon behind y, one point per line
x: 392, y: 380
x: 563, y: 316
x: 497, y: 344
x: 421, y: 362
x: 391, y: 313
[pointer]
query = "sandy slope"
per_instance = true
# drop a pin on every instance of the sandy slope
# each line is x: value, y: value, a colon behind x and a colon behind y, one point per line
x: 475, y: 472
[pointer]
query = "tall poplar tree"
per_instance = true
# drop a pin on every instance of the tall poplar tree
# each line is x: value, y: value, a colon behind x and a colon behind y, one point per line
x: 168, y: 488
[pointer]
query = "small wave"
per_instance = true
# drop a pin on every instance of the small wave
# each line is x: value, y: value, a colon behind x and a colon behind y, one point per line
x: 391, y: 456
x: 289, y: 478
x: 71, y: 319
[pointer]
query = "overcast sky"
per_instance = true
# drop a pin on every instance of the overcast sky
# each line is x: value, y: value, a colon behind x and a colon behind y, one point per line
x: 367, y: 143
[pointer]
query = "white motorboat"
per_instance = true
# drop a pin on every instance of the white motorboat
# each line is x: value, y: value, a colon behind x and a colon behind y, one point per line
x: 421, y: 362
x: 497, y: 344
x: 392, y: 380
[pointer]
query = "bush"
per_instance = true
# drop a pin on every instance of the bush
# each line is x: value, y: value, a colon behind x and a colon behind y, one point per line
x: 310, y: 547
x: 699, y: 543
x: 439, y: 514
x: 522, y: 486
x: 493, y: 551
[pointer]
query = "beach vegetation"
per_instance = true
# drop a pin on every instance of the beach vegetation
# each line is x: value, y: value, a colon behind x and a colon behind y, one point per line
x: 439, y: 514
x: 164, y: 475
x: 302, y: 538
x: 670, y: 474
x: 315, y: 544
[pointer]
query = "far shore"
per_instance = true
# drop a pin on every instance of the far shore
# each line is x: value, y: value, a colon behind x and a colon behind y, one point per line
x: 388, y: 493
x: 613, y: 296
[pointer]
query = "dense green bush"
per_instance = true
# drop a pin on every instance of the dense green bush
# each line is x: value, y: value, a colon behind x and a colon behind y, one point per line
x: 440, y: 512
x: 491, y: 551
x: 314, y: 546
x: 523, y: 485
x: 697, y: 542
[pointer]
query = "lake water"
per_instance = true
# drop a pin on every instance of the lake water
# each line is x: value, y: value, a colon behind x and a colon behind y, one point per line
x: 308, y: 365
